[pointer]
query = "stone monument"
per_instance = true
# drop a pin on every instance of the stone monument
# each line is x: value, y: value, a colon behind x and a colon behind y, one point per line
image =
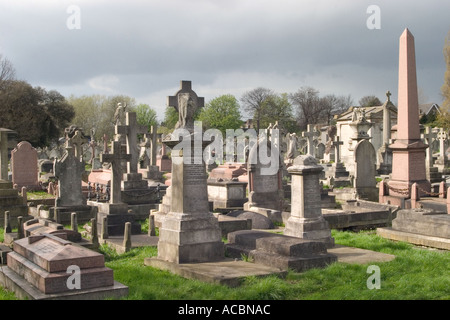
x: 408, y: 150
x: 189, y: 232
x: 306, y: 220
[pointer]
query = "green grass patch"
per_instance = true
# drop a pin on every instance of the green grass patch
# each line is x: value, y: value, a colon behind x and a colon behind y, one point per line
x: 415, y: 274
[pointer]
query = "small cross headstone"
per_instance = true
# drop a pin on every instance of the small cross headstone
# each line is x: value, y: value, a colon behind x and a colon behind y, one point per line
x: 310, y: 134
x: 131, y: 129
x: 337, y: 145
x: 115, y: 158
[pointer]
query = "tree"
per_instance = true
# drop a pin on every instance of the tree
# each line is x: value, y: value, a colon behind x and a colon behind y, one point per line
x: 221, y: 113
x: 97, y: 112
x: 146, y: 116
x: 308, y: 106
x: 443, y: 119
x: 7, y: 72
x: 253, y: 103
x: 37, y: 116
x: 334, y: 105
x: 278, y: 108
x: 370, y: 101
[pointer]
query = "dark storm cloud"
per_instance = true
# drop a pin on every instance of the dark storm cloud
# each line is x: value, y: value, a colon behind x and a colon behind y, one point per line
x: 144, y: 48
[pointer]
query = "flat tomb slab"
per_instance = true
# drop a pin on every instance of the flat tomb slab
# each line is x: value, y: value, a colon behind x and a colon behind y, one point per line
x: 228, y: 272
x: 56, y: 282
x: 54, y: 254
x: 414, y: 238
x: 359, y: 256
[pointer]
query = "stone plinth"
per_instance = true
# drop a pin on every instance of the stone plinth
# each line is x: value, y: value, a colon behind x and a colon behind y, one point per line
x: 279, y: 251
x: 306, y: 220
x: 227, y: 194
x: 189, y: 232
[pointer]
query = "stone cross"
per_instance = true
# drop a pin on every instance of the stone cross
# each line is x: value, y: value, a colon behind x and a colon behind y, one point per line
x: 442, y: 136
x: 154, y: 134
x: 387, y: 119
x: 186, y: 102
x: 429, y: 137
x: 131, y: 129
x: 310, y: 134
x: 76, y: 141
x: 115, y: 158
x: 105, y: 144
x: 337, y: 144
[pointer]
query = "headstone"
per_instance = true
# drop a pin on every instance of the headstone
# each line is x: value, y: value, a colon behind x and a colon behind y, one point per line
x: 310, y: 134
x: 264, y: 179
x: 24, y: 166
x: 115, y: 209
x: 365, y: 171
x: 69, y: 171
x: 385, y: 153
x: 306, y: 220
x: 408, y: 162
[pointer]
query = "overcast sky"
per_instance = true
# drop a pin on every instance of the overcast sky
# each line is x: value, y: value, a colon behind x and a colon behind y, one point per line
x: 144, y: 48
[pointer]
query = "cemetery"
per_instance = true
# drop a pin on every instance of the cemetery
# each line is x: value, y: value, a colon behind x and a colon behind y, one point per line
x: 282, y: 207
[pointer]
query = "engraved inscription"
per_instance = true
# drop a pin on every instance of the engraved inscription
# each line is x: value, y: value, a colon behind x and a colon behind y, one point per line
x: 194, y: 174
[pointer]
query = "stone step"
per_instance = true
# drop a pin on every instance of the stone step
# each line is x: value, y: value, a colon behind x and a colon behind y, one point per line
x: 56, y: 282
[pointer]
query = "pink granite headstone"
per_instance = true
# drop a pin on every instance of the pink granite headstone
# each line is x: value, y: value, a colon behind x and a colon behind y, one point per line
x: 24, y: 166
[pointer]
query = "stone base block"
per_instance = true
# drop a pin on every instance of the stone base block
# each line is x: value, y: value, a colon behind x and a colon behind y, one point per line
x: 116, y: 223
x: 310, y: 229
x: 24, y: 290
x: 184, y: 238
x: 279, y: 251
x: 57, y: 281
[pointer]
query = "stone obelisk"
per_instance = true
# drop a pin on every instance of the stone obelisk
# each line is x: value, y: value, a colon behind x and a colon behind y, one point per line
x: 408, y: 150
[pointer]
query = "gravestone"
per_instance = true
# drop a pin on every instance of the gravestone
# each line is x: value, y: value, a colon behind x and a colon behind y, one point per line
x: 365, y: 183
x: 306, y: 220
x: 264, y: 179
x: 311, y: 133
x: 69, y: 171
x: 189, y: 232
x: 24, y: 166
x: 115, y: 210
x: 41, y: 267
x: 385, y: 153
x: 408, y: 158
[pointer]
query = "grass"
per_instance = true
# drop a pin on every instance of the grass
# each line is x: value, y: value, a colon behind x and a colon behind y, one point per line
x: 415, y: 274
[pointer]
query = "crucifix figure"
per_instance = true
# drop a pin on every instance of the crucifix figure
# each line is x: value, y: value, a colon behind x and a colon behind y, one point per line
x: 186, y: 102
x: 131, y: 129
x: 115, y: 158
